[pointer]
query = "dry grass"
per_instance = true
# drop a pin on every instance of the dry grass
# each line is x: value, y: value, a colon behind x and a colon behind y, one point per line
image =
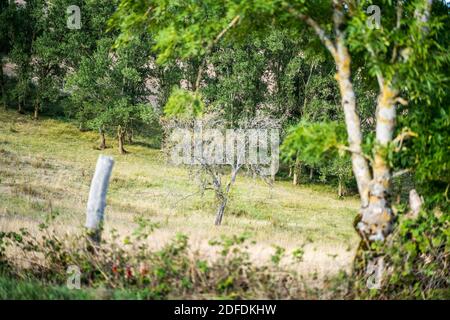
x: 46, y: 167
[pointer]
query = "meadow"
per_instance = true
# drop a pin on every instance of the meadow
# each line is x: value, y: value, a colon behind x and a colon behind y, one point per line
x: 46, y: 167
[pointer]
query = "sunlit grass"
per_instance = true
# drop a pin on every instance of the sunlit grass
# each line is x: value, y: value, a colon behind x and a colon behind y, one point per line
x: 46, y: 167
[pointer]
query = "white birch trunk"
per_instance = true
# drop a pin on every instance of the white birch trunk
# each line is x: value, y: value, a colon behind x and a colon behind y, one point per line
x: 377, y: 219
x: 352, y: 121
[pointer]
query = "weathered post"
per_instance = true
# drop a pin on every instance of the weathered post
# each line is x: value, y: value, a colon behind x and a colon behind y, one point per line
x: 97, y: 198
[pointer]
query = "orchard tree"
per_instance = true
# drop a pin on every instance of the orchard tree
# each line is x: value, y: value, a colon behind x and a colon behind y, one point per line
x: 216, y: 150
x: 109, y: 90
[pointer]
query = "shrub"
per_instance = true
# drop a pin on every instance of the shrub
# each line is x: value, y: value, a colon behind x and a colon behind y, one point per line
x: 127, y: 268
x: 416, y: 260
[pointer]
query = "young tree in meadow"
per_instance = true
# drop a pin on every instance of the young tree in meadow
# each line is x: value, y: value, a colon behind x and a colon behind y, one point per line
x: 109, y: 90
x: 216, y: 150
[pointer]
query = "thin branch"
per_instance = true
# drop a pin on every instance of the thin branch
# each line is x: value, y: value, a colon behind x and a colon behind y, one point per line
x: 233, y: 177
x: 209, y: 48
x: 313, y: 65
x: 402, y: 101
x: 190, y: 195
x: 405, y: 134
x: 401, y: 137
x: 338, y: 17
x: 316, y: 27
x: 342, y: 147
x: 397, y: 27
x: 150, y: 8
x: 400, y: 173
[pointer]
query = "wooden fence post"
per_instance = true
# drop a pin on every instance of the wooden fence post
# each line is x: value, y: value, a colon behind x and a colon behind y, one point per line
x: 97, y: 198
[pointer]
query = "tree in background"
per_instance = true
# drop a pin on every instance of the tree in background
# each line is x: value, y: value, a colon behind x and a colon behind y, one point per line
x: 8, y: 24
x: 44, y: 49
x: 49, y: 30
x: 110, y: 92
x: 21, y: 56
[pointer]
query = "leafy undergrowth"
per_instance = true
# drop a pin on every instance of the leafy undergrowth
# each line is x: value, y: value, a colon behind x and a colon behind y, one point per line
x: 414, y: 262
x: 38, y: 267
x: 415, y: 266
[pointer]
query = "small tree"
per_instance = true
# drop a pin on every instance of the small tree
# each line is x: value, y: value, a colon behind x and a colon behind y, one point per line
x: 215, y: 151
x: 108, y: 90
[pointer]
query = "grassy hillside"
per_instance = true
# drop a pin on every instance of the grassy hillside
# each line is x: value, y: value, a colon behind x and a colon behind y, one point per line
x: 46, y: 167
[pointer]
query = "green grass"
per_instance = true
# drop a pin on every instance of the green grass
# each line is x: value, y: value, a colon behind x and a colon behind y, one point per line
x: 29, y: 289
x: 46, y: 167
x: 13, y: 289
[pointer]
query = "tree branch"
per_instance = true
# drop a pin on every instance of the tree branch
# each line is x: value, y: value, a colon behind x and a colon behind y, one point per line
x: 400, y: 173
x: 402, y: 136
x: 316, y: 27
x: 345, y: 148
x: 209, y: 48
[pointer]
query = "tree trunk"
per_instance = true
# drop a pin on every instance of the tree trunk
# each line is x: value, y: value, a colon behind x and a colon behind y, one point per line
x: 121, y: 139
x: 376, y: 220
x: 352, y: 122
x: 2, y: 85
x: 102, y: 139
x: 223, y: 197
x: 220, y: 212
x: 129, y: 135
x: 19, y: 106
x: 21, y: 97
x: 311, y: 173
x: 340, y: 188
x: 36, y: 109
x: 297, y: 172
